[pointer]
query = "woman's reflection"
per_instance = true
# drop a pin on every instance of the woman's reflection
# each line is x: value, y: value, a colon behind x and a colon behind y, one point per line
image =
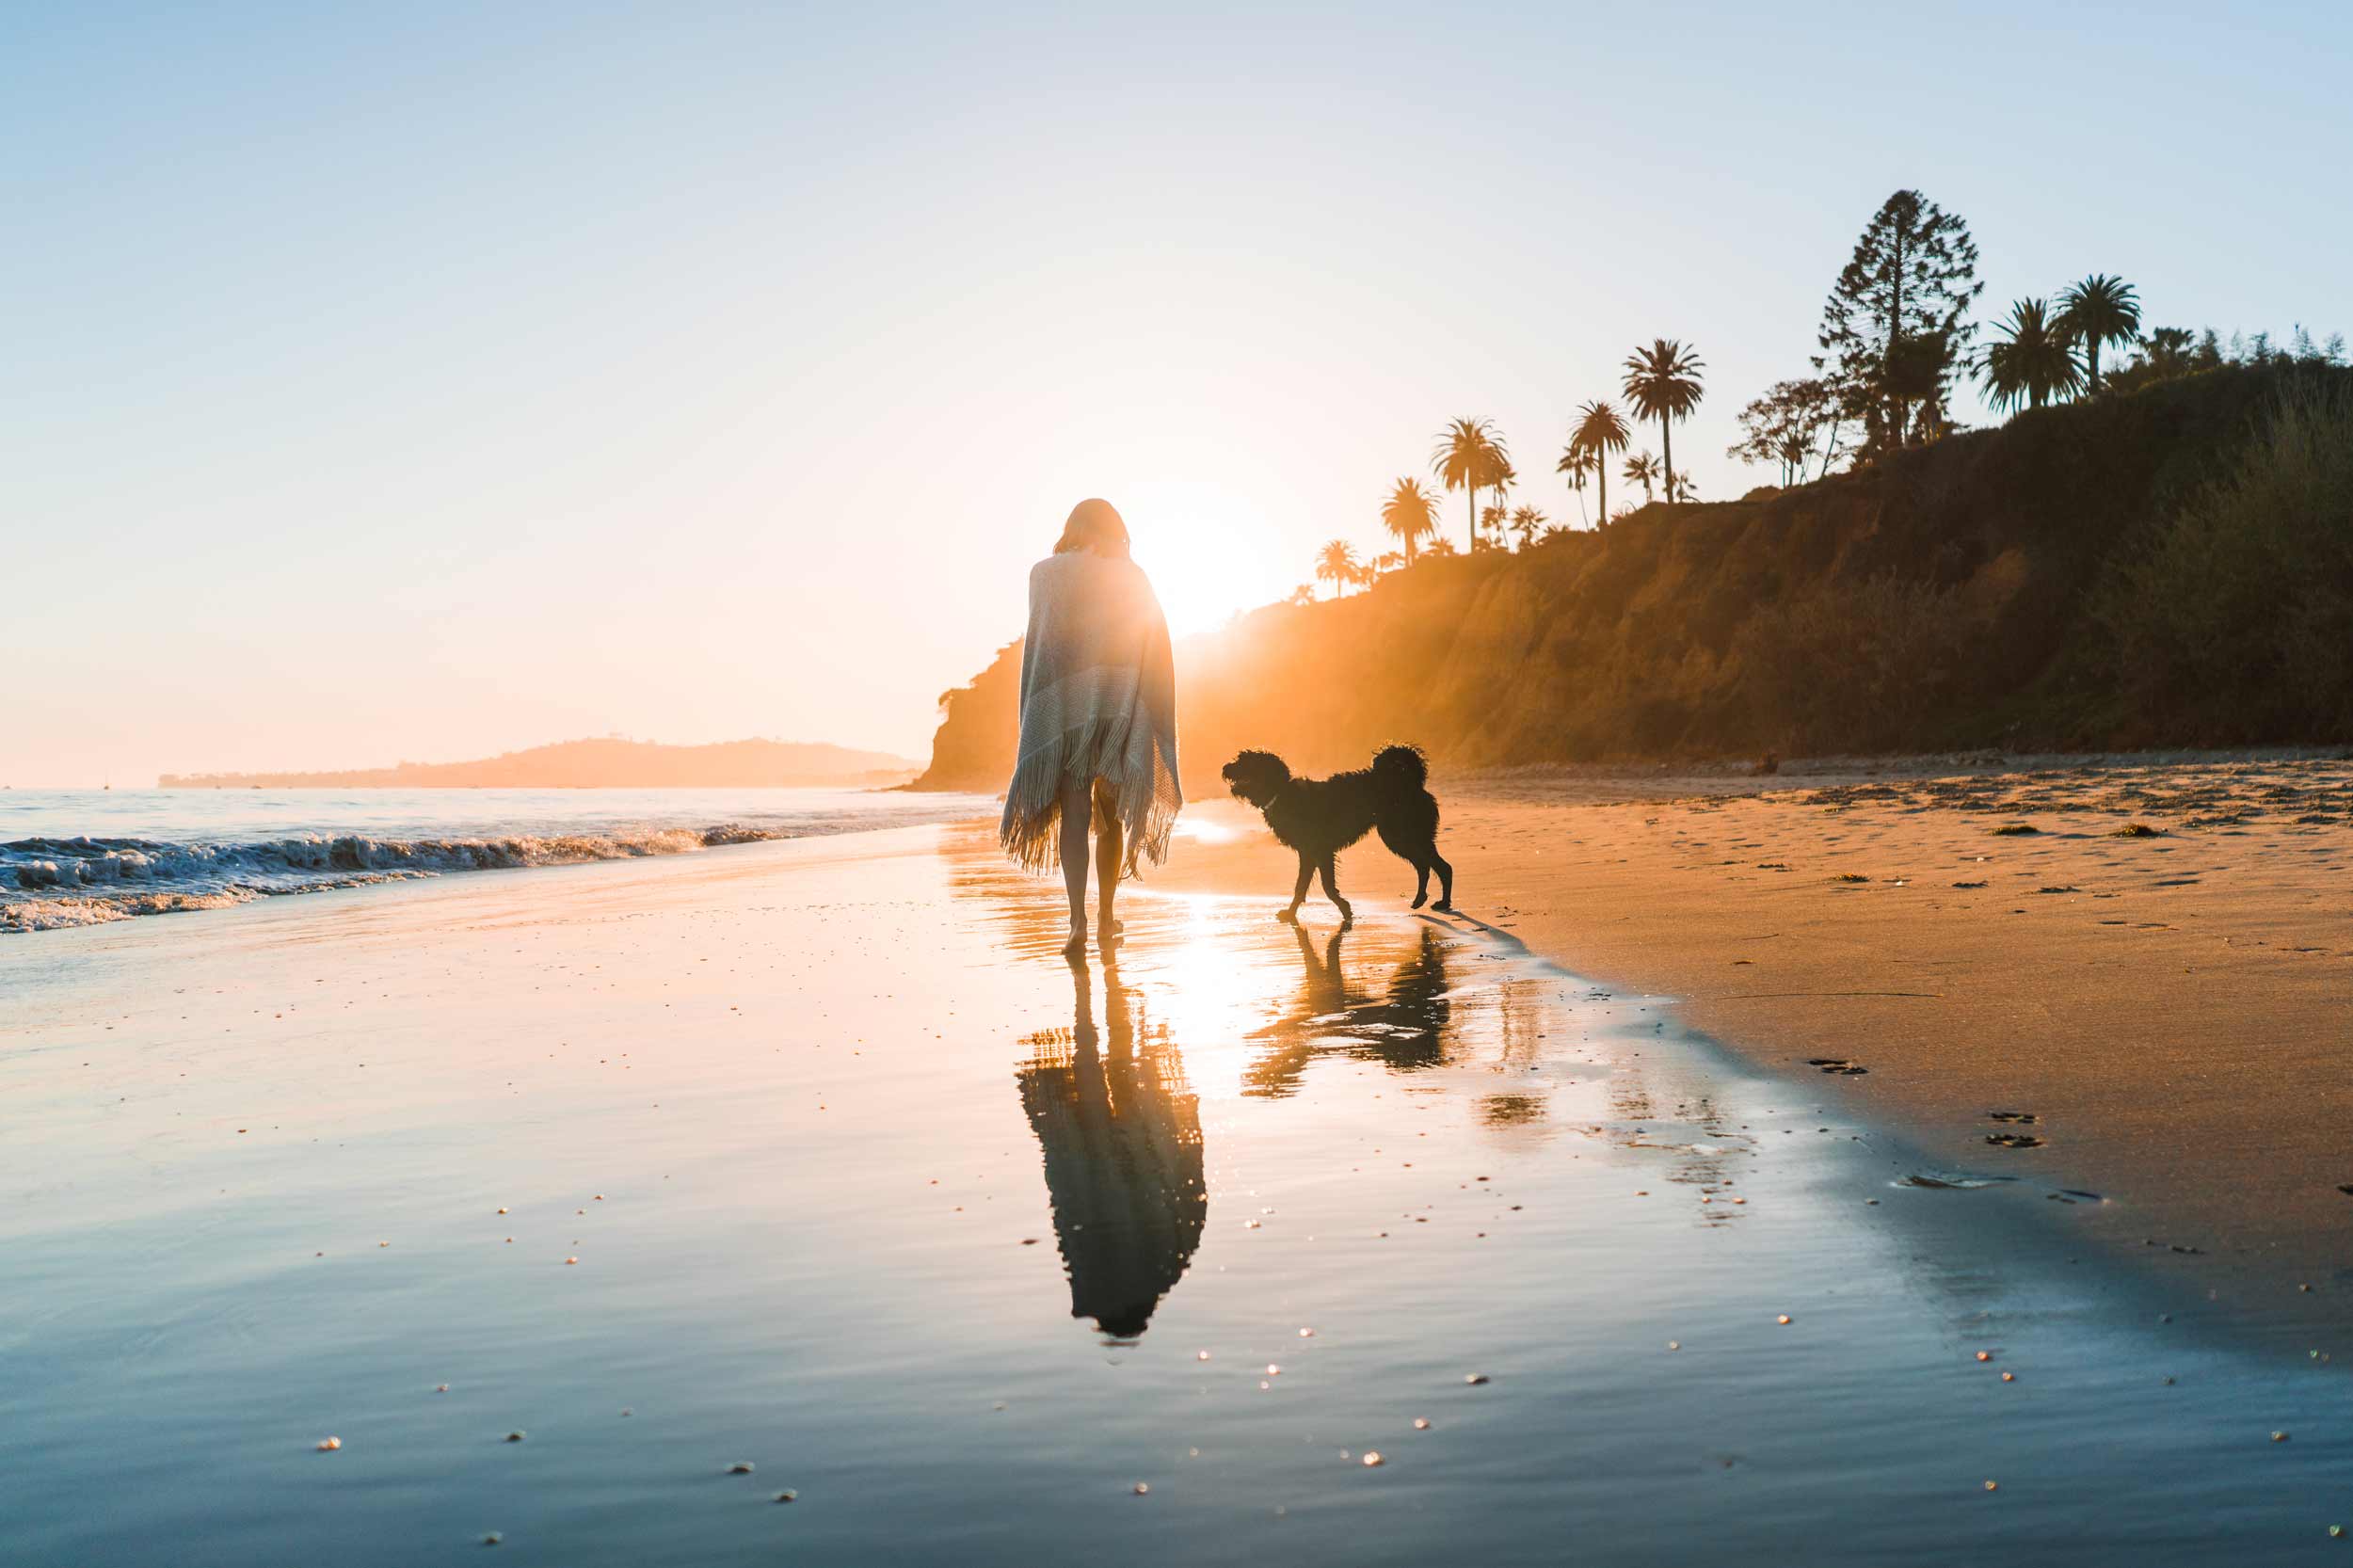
x: 1121, y: 1133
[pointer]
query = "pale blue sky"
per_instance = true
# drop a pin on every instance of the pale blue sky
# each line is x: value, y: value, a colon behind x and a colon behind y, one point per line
x: 419, y: 382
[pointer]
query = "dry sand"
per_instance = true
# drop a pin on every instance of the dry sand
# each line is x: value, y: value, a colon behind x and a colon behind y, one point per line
x: 2171, y: 1010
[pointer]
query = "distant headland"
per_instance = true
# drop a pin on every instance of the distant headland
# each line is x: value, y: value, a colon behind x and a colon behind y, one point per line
x: 600, y: 764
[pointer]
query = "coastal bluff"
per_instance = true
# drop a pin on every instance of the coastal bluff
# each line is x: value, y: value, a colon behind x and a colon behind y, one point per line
x: 2025, y: 587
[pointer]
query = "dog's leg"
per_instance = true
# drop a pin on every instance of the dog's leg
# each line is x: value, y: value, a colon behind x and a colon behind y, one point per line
x: 1411, y: 844
x: 1332, y: 892
x: 1446, y: 884
x: 1299, y: 891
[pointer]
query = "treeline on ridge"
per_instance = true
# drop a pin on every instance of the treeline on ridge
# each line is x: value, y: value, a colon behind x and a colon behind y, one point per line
x: 2170, y: 566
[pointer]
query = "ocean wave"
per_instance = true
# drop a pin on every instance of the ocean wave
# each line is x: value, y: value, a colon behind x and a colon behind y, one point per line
x: 49, y: 884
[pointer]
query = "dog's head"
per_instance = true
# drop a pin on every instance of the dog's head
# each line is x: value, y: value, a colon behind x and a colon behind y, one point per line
x: 1257, y: 777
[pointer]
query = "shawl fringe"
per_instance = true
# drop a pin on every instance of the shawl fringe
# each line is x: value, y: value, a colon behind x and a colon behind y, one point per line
x: 1131, y: 797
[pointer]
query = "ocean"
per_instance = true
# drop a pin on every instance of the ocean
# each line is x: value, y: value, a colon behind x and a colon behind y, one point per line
x: 75, y: 858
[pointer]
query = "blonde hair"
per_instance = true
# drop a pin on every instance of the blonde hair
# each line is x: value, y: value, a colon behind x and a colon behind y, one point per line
x: 1095, y: 525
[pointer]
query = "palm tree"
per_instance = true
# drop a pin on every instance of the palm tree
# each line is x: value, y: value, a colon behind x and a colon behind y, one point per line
x: 2031, y: 363
x: 1469, y: 456
x: 1663, y: 383
x: 1577, y: 464
x: 1680, y: 489
x: 1599, y: 432
x: 2099, y: 310
x: 1641, y: 469
x: 1527, y: 522
x: 1501, y: 477
x: 1410, y: 513
x: 1336, y: 564
x: 1490, y: 526
x: 1304, y: 594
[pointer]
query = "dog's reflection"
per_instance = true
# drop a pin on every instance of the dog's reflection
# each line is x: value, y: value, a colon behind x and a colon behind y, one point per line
x: 1121, y: 1133
x: 1406, y: 1030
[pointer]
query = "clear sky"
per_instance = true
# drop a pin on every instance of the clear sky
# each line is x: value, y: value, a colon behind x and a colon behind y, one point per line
x: 400, y: 382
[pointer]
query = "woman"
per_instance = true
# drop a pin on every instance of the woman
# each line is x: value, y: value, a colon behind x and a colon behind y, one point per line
x: 1099, y: 719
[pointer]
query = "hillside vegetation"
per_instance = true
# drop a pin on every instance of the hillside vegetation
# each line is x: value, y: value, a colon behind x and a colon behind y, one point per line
x: 2172, y: 566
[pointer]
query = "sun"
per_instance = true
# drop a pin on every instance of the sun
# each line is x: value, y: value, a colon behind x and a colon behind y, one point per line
x: 1209, y: 555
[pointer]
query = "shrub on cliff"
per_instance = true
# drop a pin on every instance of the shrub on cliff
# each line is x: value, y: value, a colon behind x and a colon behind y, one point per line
x: 2234, y: 622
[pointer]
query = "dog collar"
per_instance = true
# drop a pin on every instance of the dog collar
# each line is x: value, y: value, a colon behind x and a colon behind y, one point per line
x: 1270, y: 800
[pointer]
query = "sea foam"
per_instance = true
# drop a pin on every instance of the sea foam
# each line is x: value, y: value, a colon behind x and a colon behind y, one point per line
x: 50, y: 883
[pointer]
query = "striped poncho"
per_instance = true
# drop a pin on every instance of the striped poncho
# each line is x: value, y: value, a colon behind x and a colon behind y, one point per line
x: 1099, y: 702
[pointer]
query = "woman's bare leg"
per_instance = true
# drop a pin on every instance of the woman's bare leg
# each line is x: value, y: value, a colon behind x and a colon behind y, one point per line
x: 1108, y: 842
x: 1077, y: 805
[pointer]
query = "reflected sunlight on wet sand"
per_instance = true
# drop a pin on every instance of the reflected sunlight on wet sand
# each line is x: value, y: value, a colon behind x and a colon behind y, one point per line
x: 817, y: 1157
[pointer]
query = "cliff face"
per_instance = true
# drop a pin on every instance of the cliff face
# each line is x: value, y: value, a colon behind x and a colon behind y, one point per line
x: 1942, y: 599
x: 597, y: 764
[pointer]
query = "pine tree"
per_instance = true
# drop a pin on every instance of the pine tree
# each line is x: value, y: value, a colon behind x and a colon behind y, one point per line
x: 1892, y: 328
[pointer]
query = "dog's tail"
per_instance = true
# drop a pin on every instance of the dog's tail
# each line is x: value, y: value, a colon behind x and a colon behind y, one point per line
x: 1401, y: 770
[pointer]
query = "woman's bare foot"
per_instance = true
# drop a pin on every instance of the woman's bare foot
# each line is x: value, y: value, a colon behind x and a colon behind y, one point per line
x: 1076, y: 946
x: 1108, y: 933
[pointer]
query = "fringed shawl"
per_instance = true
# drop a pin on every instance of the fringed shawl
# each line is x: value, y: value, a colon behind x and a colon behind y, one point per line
x: 1099, y: 703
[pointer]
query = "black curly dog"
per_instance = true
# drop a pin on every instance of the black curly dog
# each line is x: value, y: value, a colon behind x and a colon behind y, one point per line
x: 1320, y: 817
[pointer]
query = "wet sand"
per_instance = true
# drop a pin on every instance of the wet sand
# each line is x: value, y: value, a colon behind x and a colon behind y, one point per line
x: 2171, y: 1010
x: 815, y: 1158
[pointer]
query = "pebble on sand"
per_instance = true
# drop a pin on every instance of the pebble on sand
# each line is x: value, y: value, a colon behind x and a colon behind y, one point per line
x: 1143, y: 1488
x: 787, y: 1495
x: 2010, y: 1377
x: 2278, y: 1437
x: 1783, y: 1319
x: 329, y: 1445
x: 1985, y: 1355
x: 1421, y: 1423
x: 492, y: 1539
x: 1474, y: 1378
x: 1372, y: 1458
x: 741, y: 1467
x: 514, y: 1436
x: 1991, y: 1486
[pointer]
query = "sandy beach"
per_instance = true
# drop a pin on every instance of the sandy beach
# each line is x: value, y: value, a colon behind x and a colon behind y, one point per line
x: 2159, y: 974
x: 553, y: 1197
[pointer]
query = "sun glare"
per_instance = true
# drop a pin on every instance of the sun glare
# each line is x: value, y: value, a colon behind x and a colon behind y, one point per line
x: 1209, y: 554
